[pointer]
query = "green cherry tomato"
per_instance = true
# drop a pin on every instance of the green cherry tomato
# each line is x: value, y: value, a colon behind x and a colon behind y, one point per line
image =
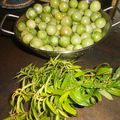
x: 88, y: 12
x: 87, y: 42
x: 33, y: 31
x: 38, y: 8
x: 47, y: 9
x: 95, y: 15
x: 77, y: 47
x: 75, y: 39
x: 83, y: 5
x: 42, y: 25
x: 36, y: 43
x: 70, y: 47
x: 85, y: 35
x: 71, y: 11
x: 21, y: 26
x: 66, y: 21
x: 100, y: 22
x: 73, y: 3
x: 48, y: 47
x: 31, y: 13
x: 76, y: 16
x: 27, y: 38
x: 54, y: 41
x: 46, y: 17
x: 58, y: 16
x: 80, y: 29
x: 51, y: 29
x: 64, y: 41
x: 31, y: 24
x: 37, y: 20
x: 85, y: 20
x: 95, y: 6
x: 54, y: 3
x: 89, y: 28
x: 66, y: 30
x: 97, y: 36
x: 42, y: 34
x: 63, y: 6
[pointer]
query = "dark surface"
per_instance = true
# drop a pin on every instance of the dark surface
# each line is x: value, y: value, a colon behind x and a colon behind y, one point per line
x: 13, y: 57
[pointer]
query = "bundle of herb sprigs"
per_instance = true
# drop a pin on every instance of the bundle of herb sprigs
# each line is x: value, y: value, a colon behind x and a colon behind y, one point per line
x: 53, y: 91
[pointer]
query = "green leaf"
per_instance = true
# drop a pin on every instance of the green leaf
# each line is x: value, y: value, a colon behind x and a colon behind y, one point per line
x: 114, y: 91
x: 116, y: 75
x: 80, y: 99
x: 67, y: 107
x: 105, y: 94
x: 98, y: 95
x: 104, y: 70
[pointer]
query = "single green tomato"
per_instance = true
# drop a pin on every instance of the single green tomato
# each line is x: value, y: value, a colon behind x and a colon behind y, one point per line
x: 64, y: 41
x: 66, y: 30
x: 42, y: 34
x: 100, y: 22
x: 73, y: 3
x: 54, y: 41
x: 21, y: 26
x: 95, y: 6
x: 36, y: 43
x: 83, y: 5
x: 63, y: 6
x: 75, y: 39
x: 31, y: 24
x: 27, y: 38
x: 38, y: 8
x: 87, y: 42
x: 51, y: 29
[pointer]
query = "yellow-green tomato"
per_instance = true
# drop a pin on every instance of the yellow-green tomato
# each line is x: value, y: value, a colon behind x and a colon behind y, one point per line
x: 85, y: 20
x: 100, y: 22
x: 54, y: 3
x: 75, y: 39
x: 85, y: 35
x: 36, y: 43
x: 42, y: 34
x: 70, y: 47
x: 51, y: 29
x: 42, y: 25
x: 63, y: 6
x: 54, y: 41
x: 97, y: 36
x: 66, y: 30
x: 58, y: 16
x: 95, y: 16
x: 47, y: 9
x: 27, y: 38
x: 95, y: 6
x: 80, y: 29
x: 21, y: 26
x: 87, y: 42
x: 66, y: 21
x: 73, y: 3
x: 64, y: 41
x: 76, y: 16
x: 38, y: 8
x: 83, y: 5
x: 31, y: 13
x: 48, y: 47
x: 31, y: 24
x: 77, y: 47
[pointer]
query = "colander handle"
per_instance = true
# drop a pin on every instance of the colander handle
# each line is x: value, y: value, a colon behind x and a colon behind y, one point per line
x: 2, y: 23
x: 111, y: 7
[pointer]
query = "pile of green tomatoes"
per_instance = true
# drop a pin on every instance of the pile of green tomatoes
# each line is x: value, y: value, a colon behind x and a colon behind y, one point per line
x: 62, y: 25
